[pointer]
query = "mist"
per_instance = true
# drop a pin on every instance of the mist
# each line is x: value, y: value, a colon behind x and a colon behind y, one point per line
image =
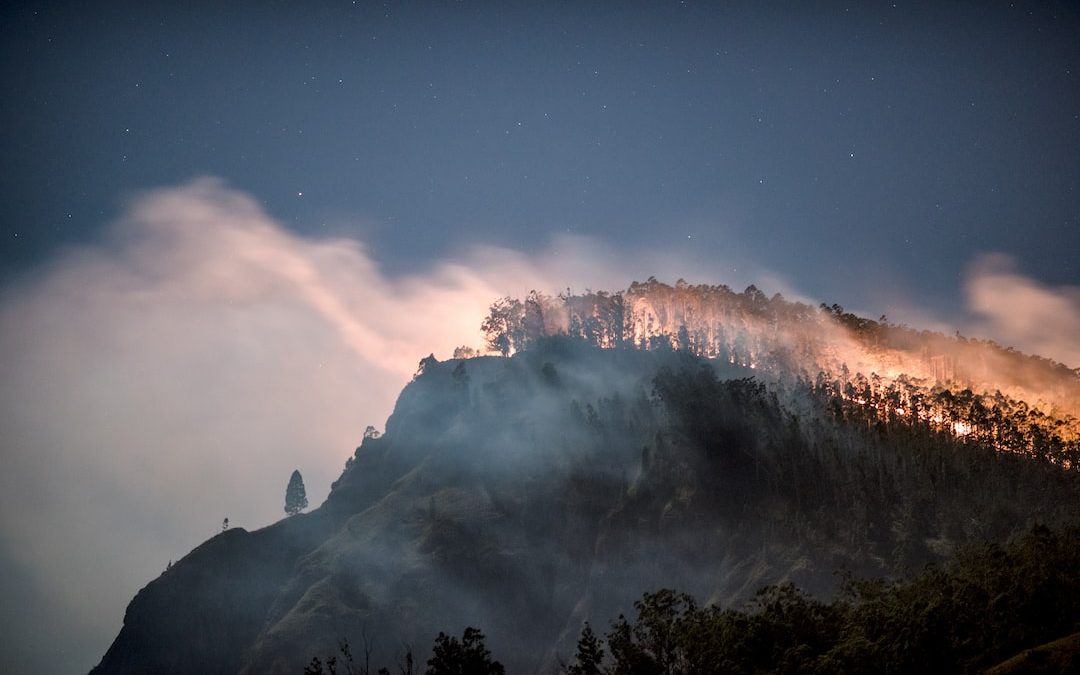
x: 1023, y: 313
x: 176, y: 372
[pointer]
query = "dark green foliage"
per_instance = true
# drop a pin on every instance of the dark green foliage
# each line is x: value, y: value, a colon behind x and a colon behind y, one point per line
x: 295, y: 495
x: 781, y: 338
x: 651, y: 644
x: 851, y: 476
x: 468, y: 656
x: 590, y: 654
x: 989, y: 603
x: 503, y: 328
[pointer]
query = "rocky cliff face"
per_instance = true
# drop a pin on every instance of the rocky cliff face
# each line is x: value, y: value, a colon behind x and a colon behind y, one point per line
x: 526, y: 495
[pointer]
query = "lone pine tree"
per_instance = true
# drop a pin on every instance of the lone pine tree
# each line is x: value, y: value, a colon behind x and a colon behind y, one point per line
x: 295, y: 495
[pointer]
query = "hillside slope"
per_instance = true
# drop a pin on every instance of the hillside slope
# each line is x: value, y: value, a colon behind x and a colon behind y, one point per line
x: 527, y: 494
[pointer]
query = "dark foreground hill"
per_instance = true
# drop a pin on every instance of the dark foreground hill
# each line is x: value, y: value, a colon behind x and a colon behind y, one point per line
x: 526, y: 495
x: 979, y: 609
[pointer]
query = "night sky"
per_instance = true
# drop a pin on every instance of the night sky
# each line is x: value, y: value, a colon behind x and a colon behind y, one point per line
x: 229, y: 230
x: 865, y: 144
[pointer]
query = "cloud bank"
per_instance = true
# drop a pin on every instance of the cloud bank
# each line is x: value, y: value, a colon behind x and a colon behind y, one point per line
x: 1020, y: 312
x: 176, y: 373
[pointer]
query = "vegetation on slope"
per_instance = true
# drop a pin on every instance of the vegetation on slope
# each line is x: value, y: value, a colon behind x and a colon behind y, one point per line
x: 786, y: 339
x: 988, y: 603
x: 771, y: 483
x: 991, y: 601
x: 716, y: 442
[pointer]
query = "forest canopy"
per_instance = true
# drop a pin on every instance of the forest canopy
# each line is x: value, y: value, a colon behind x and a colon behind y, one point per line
x: 1005, y: 399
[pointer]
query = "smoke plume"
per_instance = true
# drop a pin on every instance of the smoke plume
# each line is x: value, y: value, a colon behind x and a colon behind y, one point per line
x: 1022, y: 313
x: 175, y: 375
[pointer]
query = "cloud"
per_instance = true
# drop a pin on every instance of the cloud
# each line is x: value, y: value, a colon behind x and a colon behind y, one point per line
x: 175, y: 374
x: 1021, y: 312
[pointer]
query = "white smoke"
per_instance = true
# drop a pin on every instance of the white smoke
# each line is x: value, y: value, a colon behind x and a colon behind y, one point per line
x: 177, y: 373
x: 1022, y: 313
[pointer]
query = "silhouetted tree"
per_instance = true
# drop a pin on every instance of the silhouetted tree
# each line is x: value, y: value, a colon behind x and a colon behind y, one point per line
x: 989, y: 603
x: 466, y: 657
x: 651, y: 644
x: 295, y: 495
x: 503, y: 328
x: 465, y: 352
x: 590, y: 654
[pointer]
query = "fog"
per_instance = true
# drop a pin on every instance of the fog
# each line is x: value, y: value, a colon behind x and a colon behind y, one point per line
x: 174, y: 374
x: 1021, y: 312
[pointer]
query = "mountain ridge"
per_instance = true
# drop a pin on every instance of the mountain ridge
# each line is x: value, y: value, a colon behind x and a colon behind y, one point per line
x: 528, y: 494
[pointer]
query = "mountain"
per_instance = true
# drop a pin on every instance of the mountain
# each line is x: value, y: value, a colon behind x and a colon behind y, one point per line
x: 687, y: 437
